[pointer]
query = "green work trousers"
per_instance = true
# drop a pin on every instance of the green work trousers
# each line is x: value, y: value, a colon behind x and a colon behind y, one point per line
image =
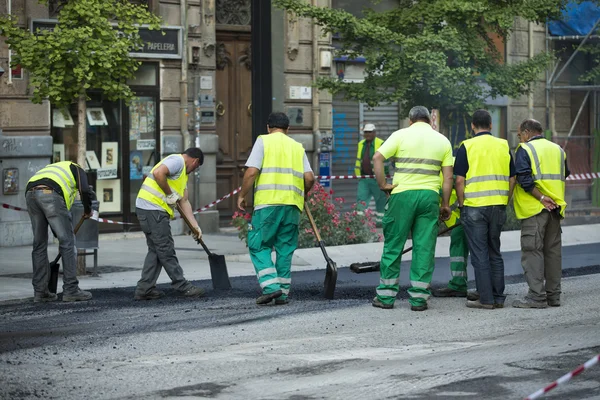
x: 416, y: 211
x: 459, y: 254
x: 368, y: 188
x: 274, y: 227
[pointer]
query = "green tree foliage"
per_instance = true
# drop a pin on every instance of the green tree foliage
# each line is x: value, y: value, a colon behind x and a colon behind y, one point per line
x: 434, y: 53
x: 89, y: 48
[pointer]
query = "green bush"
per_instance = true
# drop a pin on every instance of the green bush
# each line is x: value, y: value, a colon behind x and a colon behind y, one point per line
x: 335, y: 226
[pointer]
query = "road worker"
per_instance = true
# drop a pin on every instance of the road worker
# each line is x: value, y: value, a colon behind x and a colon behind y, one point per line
x: 540, y: 204
x: 367, y: 187
x: 485, y: 178
x: 165, y: 185
x: 459, y: 254
x: 281, y: 175
x: 50, y: 194
x: 420, y: 153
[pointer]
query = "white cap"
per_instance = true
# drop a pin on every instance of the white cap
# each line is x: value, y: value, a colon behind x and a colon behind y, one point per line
x: 369, y: 128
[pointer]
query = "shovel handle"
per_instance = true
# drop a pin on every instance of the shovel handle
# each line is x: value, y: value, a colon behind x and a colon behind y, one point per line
x: 448, y: 229
x: 312, y: 222
x: 74, y: 232
x: 189, y: 225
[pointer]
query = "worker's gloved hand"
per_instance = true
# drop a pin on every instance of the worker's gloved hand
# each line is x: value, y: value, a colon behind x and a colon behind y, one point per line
x: 445, y: 213
x: 172, y: 199
x: 197, y: 233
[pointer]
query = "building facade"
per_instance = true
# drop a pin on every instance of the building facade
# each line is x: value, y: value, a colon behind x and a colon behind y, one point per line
x: 194, y: 88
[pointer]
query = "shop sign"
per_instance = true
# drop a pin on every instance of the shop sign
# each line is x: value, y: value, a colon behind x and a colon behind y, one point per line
x: 106, y: 173
x: 156, y: 45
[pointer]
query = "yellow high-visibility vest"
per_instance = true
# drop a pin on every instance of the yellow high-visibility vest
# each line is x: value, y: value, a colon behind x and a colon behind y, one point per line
x: 487, y: 180
x: 61, y: 174
x: 281, y: 179
x: 359, y: 154
x: 150, y: 191
x: 548, y: 170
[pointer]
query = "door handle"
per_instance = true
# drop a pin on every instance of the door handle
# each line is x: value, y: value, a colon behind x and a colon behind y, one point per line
x: 250, y: 109
x: 220, y: 109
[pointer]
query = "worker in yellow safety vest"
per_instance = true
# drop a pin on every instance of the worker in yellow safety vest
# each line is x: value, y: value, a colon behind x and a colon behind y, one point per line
x: 165, y: 185
x: 540, y: 205
x: 420, y: 153
x: 281, y: 175
x: 485, y: 178
x: 50, y: 194
x: 459, y: 254
x: 367, y: 187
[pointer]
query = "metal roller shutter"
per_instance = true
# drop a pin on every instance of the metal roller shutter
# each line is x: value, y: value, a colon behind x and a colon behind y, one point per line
x: 348, y: 117
x: 346, y: 137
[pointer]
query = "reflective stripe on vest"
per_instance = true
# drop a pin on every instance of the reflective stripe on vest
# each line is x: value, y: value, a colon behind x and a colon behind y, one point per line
x: 150, y: 191
x: 548, y: 172
x: 60, y: 173
x: 487, y: 180
x: 281, y: 178
x: 357, y: 166
x: 410, y: 166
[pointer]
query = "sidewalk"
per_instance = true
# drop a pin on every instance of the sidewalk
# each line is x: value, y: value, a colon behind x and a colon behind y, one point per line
x: 120, y: 259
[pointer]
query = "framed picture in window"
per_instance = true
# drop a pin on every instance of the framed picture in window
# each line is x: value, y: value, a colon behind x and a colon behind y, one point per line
x: 110, y: 154
x: 58, y: 153
x: 96, y: 116
x: 109, y: 195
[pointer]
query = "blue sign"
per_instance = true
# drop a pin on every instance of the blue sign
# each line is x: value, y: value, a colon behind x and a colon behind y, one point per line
x: 325, y: 168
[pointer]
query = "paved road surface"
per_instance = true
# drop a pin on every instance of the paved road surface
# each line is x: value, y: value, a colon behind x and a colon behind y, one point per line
x: 224, y: 346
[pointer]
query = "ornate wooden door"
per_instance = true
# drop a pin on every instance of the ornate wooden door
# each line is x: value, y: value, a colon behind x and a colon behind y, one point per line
x: 234, y: 115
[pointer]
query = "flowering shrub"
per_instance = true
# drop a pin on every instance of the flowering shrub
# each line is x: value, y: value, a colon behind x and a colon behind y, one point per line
x: 335, y: 226
x: 241, y: 220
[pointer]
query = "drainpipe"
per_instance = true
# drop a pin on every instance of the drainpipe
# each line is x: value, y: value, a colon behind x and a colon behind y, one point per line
x: 9, y: 9
x: 183, y: 83
x: 530, y: 96
x: 316, y: 110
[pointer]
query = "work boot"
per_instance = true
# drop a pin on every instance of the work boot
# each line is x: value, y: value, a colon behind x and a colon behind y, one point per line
x: 193, y: 291
x: 267, y: 298
x: 498, y: 305
x: 152, y: 294
x: 80, y: 295
x: 473, y: 296
x: 281, y: 302
x: 419, y: 308
x: 379, y: 304
x: 529, y: 303
x: 44, y: 297
x: 554, y: 302
x: 477, y: 304
x: 447, y: 292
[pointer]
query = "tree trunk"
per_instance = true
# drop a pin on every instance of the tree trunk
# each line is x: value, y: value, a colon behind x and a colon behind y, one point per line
x: 81, y: 148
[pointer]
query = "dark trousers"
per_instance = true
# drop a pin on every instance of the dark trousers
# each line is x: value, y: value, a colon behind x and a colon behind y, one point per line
x: 541, y: 255
x: 161, y: 252
x: 48, y: 208
x: 483, y: 226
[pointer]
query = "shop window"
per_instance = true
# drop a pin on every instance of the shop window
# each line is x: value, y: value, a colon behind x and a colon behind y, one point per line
x: 103, y: 146
x: 146, y: 75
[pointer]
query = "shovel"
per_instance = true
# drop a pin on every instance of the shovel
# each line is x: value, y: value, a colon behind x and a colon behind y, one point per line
x: 54, y: 265
x: 218, y: 267
x: 361, y: 268
x: 331, y: 268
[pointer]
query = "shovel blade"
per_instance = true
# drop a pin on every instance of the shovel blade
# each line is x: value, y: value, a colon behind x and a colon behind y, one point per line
x: 330, y: 279
x: 53, y: 281
x: 218, y: 272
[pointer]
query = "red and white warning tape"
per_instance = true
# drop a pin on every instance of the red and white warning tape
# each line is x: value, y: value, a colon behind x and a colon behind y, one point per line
x: 586, y: 176
x: 564, y: 378
x: 583, y: 177
x: 214, y: 203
